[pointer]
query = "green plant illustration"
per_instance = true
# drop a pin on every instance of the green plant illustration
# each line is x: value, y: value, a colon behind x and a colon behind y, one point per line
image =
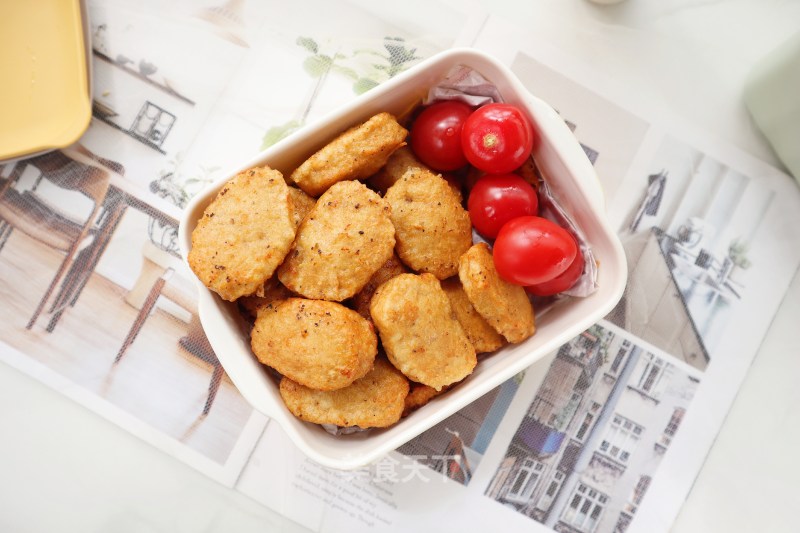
x: 563, y: 418
x: 737, y: 251
x: 276, y: 133
x: 365, y: 68
x: 172, y: 186
x: 318, y: 65
x: 385, y: 65
x: 602, y: 350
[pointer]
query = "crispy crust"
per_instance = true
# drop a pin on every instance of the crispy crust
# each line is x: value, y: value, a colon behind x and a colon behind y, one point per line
x: 302, y: 204
x: 272, y: 291
x: 418, y: 396
x: 529, y: 173
x: 391, y: 268
x: 244, y: 233
x: 505, y: 307
x: 481, y: 334
x: 341, y: 243
x: 432, y: 228
x: 322, y: 345
x: 355, y: 154
x: 400, y: 162
x: 375, y: 400
x: 421, y: 336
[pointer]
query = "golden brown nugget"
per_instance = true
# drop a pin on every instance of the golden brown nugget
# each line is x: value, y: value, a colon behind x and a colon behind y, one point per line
x: 484, y: 337
x: 398, y: 163
x: 341, y: 243
x: 302, y: 204
x: 401, y: 161
x: 322, y: 345
x: 244, y: 233
x: 432, y: 228
x: 505, y: 306
x: 391, y: 268
x: 355, y: 154
x: 374, y: 401
x: 421, y: 336
x: 272, y: 291
x: 530, y: 173
x: 418, y: 396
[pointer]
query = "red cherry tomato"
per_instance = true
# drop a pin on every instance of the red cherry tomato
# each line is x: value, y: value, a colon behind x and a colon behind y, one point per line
x: 497, y: 138
x: 436, y: 135
x: 530, y: 250
x: 497, y: 198
x: 562, y: 282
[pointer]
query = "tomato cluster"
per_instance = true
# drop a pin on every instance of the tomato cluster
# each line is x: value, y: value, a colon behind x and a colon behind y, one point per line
x: 497, y: 139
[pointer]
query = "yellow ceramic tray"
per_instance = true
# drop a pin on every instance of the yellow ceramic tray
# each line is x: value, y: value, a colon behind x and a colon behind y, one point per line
x: 45, y: 99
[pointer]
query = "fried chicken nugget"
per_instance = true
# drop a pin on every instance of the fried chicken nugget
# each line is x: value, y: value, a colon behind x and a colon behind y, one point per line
x: 400, y: 162
x: 418, y: 396
x: 375, y: 400
x: 391, y: 268
x: 341, y: 243
x: 484, y: 337
x: 530, y: 173
x: 272, y: 291
x: 421, y: 336
x: 302, y: 203
x: 355, y: 154
x: 244, y: 233
x: 322, y: 345
x: 505, y: 307
x: 432, y: 228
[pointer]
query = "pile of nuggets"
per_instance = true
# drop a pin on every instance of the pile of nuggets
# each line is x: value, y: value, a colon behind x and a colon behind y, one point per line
x: 360, y: 237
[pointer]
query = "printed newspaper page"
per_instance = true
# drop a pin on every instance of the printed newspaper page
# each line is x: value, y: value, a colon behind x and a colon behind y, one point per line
x: 606, y: 434
x: 97, y: 301
x: 609, y: 433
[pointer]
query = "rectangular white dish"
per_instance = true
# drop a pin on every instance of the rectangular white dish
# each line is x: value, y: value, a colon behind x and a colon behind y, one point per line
x: 572, y: 180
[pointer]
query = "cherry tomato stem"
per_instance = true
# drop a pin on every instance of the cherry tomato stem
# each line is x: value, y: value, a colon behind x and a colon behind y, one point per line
x: 497, y: 138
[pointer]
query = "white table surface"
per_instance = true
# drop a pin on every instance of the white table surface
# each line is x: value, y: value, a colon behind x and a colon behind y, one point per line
x: 63, y: 468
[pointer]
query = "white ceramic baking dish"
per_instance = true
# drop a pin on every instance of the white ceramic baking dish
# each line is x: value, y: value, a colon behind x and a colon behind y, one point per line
x: 571, y: 177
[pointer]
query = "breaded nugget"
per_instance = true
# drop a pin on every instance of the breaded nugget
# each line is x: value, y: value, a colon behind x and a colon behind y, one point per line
x: 505, y: 307
x: 401, y: 161
x: 272, y: 291
x: 302, y: 204
x: 322, y: 345
x: 355, y: 154
x: 418, y: 396
x: 432, y: 228
x: 421, y: 336
x: 398, y: 163
x: 391, y: 268
x: 530, y: 173
x: 341, y: 243
x: 376, y: 400
x: 244, y: 233
x: 484, y: 337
